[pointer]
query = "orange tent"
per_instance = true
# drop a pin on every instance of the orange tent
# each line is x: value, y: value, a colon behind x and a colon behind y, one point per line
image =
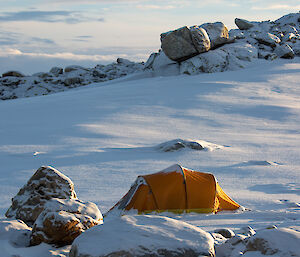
x: 176, y: 189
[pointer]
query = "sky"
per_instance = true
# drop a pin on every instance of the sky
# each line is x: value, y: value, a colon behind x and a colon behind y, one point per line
x: 36, y: 35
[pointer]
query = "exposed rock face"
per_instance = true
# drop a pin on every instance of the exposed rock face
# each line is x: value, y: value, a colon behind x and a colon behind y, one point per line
x: 267, y: 39
x: 143, y: 235
x: 13, y: 74
x: 200, y: 39
x: 56, y: 71
x: 178, y: 44
x: 217, y: 32
x: 45, y: 184
x: 243, y: 24
x: 63, y: 220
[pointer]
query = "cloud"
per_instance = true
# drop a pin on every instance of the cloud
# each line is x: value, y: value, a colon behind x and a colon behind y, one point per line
x: 156, y: 7
x: 277, y: 7
x: 43, y: 40
x: 71, y: 17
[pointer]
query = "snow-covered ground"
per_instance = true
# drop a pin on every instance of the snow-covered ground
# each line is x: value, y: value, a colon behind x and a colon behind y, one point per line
x: 103, y: 136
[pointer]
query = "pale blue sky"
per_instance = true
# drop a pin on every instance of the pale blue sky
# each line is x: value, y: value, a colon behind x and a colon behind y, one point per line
x: 38, y: 34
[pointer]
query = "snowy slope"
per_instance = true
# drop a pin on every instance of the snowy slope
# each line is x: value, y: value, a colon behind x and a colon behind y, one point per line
x: 102, y: 137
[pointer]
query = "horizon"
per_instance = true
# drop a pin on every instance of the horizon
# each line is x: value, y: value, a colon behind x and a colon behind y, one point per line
x: 38, y: 34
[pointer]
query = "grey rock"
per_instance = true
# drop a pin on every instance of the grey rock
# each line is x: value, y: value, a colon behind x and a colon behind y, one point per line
x: 284, y: 51
x: 72, y: 81
x: 243, y: 24
x: 217, y: 32
x: 13, y: 74
x: 226, y: 232
x: 56, y: 71
x: 45, y: 184
x: 267, y: 39
x: 178, y: 44
x: 74, y: 68
x: 200, y: 39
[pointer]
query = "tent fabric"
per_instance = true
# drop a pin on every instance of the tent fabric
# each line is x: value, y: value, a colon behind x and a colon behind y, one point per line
x: 176, y: 189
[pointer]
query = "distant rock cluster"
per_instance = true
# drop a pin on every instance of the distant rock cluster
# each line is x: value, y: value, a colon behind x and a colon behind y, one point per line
x: 210, y: 47
x: 14, y: 84
x: 49, y: 207
x: 207, y: 48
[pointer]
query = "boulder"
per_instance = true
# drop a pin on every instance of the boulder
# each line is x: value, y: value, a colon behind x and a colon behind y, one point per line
x: 63, y: 220
x: 267, y: 39
x: 16, y: 232
x: 281, y: 241
x: 13, y: 74
x: 72, y: 81
x: 56, y: 71
x: 243, y: 24
x: 74, y: 68
x: 143, y: 235
x: 45, y: 184
x: 178, y: 44
x: 217, y: 32
x: 226, y: 232
x: 200, y: 39
x: 284, y: 51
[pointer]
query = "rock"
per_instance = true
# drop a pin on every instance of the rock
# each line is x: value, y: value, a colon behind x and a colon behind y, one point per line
x: 15, y: 231
x: 63, y: 220
x: 281, y: 241
x: 284, y: 51
x: 124, y: 61
x: 176, y: 144
x: 163, y: 66
x: 217, y: 32
x: 200, y: 39
x: 243, y: 24
x: 267, y: 39
x: 209, y: 62
x: 13, y: 74
x: 56, y: 71
x: 45, y: 184
x: 143, y: 235
x: 74, y: 68
x: 178, y: 44
x: 226, y: 232
x: 72, y: 81
x: 247, y: 231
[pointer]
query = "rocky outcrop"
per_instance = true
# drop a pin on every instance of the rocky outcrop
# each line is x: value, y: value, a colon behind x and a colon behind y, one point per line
x: 200, y: 39
x: 16, y: 85
x: 62, y: 221
x: 143, y: 235
x: 45, y: 184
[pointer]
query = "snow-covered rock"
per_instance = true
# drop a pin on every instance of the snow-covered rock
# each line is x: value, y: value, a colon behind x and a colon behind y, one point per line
x: 177, y: 144
x: 284, y: 51
x: 243, y: 24
x: 63, y: 220
x: 178, y: 44
x: 282, y: 242
x: 225, y: 232
x: 217, y: 32
x: 227, y: 57
x: 56, y: 80
x: 143, y: 235
x: 45, y: 184
x: 161, y: 65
